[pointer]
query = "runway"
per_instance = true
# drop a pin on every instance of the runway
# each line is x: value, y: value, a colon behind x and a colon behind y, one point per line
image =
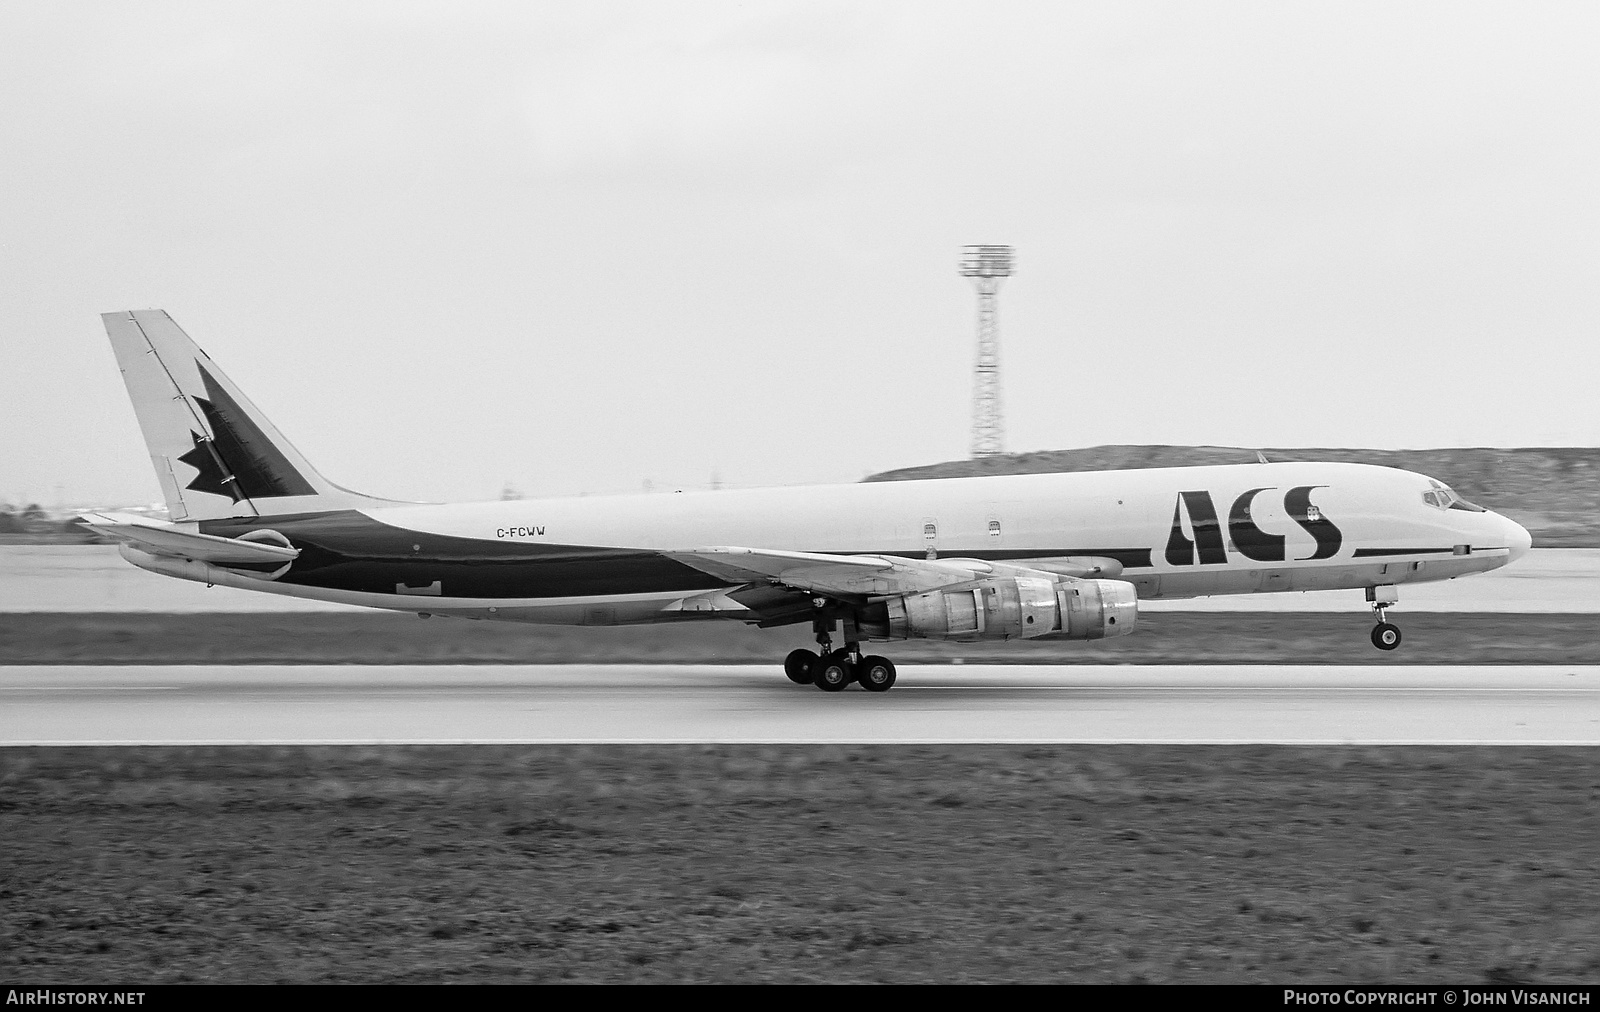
x: 561, y: 704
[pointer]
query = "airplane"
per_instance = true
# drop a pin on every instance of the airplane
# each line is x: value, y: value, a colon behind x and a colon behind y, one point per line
x: 1033, y: 556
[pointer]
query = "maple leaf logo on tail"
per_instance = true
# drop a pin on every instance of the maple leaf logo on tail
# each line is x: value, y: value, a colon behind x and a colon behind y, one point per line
x: 212, y: 477
x: 239, y: 462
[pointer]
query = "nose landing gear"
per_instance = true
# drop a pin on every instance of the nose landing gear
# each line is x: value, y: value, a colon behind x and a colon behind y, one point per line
x: 1385, y: 636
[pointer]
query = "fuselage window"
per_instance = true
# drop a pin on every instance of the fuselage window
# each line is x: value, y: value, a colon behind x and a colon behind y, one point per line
x: 930, y: 531
x: 994, y: 528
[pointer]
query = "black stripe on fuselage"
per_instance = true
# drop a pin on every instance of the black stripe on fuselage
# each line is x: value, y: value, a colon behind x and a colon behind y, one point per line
x: 1369, y: 553
x: 348, y: 550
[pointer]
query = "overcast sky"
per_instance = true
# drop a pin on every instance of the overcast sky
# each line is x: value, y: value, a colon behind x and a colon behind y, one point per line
x: 578, y: 246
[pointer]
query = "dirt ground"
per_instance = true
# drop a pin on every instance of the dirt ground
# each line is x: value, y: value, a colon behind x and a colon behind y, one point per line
x: 1162, y: 638
x: 768, y: 863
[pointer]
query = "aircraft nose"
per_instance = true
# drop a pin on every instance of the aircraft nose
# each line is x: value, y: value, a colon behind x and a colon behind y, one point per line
x: 1517, y: 538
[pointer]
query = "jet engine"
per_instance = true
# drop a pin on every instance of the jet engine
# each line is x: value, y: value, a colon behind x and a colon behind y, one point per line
x: 1017, y: 607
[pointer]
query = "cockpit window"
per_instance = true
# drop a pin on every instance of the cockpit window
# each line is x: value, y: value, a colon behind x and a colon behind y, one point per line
x: 1443, y: 497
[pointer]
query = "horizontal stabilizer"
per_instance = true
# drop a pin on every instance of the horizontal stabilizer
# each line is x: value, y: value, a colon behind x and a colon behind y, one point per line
x: 160, y: 538
x: 716, y: 601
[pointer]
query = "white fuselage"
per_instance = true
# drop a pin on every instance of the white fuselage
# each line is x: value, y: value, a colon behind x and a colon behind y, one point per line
x: 1177, y: 532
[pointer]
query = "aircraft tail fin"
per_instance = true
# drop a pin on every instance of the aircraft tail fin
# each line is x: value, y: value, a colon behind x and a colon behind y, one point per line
x: 215, y: 454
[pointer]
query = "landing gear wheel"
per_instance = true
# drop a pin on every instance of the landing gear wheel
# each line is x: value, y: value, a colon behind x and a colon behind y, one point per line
x: 876, y: 674
x: 1385, y: 636
x: 832, y: 672
x: 798, y: 666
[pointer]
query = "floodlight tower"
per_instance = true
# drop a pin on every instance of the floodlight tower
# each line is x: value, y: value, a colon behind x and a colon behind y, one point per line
x: 986, y: 266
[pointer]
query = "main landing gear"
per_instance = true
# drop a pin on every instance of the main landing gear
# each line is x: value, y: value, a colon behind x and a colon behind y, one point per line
x: 833, y: 670
x: 1385, y: 636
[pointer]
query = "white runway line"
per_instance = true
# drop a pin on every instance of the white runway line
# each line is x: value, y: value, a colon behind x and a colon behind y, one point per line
x: 589, y: 704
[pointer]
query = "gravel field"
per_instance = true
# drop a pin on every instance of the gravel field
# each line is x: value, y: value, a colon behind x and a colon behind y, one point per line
x: 859, y: 863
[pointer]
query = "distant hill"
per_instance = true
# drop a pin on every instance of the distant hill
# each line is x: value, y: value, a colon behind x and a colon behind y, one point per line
x: 1552, y: 491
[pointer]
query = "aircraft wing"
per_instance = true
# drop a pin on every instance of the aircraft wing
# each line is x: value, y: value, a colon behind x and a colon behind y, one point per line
x: 161, y: 538
x: 832, y: 575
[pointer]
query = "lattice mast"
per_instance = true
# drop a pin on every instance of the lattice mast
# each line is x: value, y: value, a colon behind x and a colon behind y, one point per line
x: 987, y: 266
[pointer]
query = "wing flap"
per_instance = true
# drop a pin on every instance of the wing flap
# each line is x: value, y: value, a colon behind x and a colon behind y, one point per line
x: 1083, y: 567
x: 853, y: 575
x: 160, y: 538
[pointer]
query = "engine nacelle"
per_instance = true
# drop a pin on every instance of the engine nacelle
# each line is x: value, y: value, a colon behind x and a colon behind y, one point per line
x: 1097, y: 609
x: 1017, y: 607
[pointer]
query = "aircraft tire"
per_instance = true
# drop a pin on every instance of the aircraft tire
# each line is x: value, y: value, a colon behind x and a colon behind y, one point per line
x: 1385, y: 636
x: 798, y: 666
x: 876, y: 674
x: 832, y: 673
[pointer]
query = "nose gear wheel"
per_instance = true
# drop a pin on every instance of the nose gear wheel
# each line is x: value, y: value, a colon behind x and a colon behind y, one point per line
x: 1385, y: 636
